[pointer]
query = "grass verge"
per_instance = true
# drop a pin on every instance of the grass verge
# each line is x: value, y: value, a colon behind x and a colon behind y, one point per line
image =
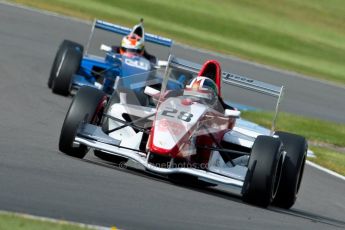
x: 18, y: 222
x: 329, y: 158
x: 326, y: 139
x: 304, y: 36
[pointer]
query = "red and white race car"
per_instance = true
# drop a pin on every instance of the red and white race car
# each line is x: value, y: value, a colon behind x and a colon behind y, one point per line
x: 175, y: 123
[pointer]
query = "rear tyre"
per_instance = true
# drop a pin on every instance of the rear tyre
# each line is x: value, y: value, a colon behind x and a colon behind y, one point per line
x: 87, y: 106
x: 66, y: 63
x: 296, y: 152
x: 264, y: 169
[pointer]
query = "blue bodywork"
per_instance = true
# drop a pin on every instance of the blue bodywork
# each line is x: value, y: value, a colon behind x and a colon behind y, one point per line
x: 101, y: 73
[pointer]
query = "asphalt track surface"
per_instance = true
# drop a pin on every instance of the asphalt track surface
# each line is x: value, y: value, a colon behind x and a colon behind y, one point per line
x: 35, y: 178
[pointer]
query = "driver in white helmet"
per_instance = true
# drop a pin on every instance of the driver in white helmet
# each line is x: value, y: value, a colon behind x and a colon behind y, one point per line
x: 133, y: 44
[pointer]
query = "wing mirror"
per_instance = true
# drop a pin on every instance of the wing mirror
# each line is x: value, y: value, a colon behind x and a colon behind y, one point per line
x: 232, y: 113
x: 161, y: 63
x: 151, y: 91
x: 105, y: 48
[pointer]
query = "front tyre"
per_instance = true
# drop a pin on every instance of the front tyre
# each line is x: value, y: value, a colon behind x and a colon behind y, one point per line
x: 264, y: 170
x: 296, y: 148
x: 57, y: 60
x: 66, y: 64
x: 87, y: 106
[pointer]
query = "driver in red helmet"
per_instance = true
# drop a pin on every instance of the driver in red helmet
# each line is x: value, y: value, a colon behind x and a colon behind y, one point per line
x: 202, y: 88
x: 205, y: 88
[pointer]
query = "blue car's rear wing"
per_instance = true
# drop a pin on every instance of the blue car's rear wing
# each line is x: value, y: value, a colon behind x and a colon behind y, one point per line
x: 99, y: 24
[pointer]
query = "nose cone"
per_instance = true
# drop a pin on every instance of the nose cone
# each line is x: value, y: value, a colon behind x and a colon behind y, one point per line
x: 167, y: 137
x: 174, y: 124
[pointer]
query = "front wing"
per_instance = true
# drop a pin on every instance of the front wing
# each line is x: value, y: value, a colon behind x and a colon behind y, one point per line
x: 93, y: 137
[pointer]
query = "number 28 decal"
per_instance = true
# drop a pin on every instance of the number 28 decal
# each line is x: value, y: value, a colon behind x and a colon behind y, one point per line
x: 184, y: 116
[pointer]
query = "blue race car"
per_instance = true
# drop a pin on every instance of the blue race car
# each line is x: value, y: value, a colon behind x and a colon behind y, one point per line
x: 72, y: 69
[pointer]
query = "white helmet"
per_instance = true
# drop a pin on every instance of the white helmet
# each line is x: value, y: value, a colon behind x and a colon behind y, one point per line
x: 132, y: 44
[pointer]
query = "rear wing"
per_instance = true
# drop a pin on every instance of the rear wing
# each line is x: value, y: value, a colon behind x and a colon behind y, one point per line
x: 237, y: 80
x: 107, y: 26
x: 257, y: 86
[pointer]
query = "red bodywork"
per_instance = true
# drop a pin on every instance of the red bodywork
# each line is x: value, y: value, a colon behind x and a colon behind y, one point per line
x: 215, y: 121
x: 211, y: 69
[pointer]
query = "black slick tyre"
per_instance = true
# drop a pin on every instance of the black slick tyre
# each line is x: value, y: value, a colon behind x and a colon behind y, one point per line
x: 264, y: 169
x: 66, y: 63
x: 58, y: 56
x: 296, y: 152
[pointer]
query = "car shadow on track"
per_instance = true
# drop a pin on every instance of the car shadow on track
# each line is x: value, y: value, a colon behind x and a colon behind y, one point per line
x: 198, y: 186
x: 310, y: 216
x: 214, y: 191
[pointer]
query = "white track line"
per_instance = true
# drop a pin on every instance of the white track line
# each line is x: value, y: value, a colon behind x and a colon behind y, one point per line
x: 326, y: 170
x: 45, y: 12
x: 56, y: 221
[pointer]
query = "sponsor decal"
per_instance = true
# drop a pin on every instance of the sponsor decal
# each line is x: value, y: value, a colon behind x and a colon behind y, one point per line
x: 137, y: 64
x: 228, y: 76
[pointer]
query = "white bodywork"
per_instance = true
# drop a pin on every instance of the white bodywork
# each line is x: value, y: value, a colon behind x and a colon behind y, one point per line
x: 170, y: 129
x: 129, y: 138
x: 244, y: 134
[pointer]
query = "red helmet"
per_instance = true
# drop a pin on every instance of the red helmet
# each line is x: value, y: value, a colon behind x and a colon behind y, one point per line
x: 202, y: 87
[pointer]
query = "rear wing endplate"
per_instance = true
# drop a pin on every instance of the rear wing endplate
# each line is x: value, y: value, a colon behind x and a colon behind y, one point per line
x: 103, y: 25
x: 239, y: 81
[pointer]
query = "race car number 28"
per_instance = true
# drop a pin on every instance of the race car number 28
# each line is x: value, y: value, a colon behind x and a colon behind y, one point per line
x: 184, y: 116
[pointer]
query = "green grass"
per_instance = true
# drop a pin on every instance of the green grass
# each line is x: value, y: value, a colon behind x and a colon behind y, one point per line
x: 17, y: 222
x: 329, y: 135
x: 329, y: 159
x: 316, y: 130
x: 305, y: 36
